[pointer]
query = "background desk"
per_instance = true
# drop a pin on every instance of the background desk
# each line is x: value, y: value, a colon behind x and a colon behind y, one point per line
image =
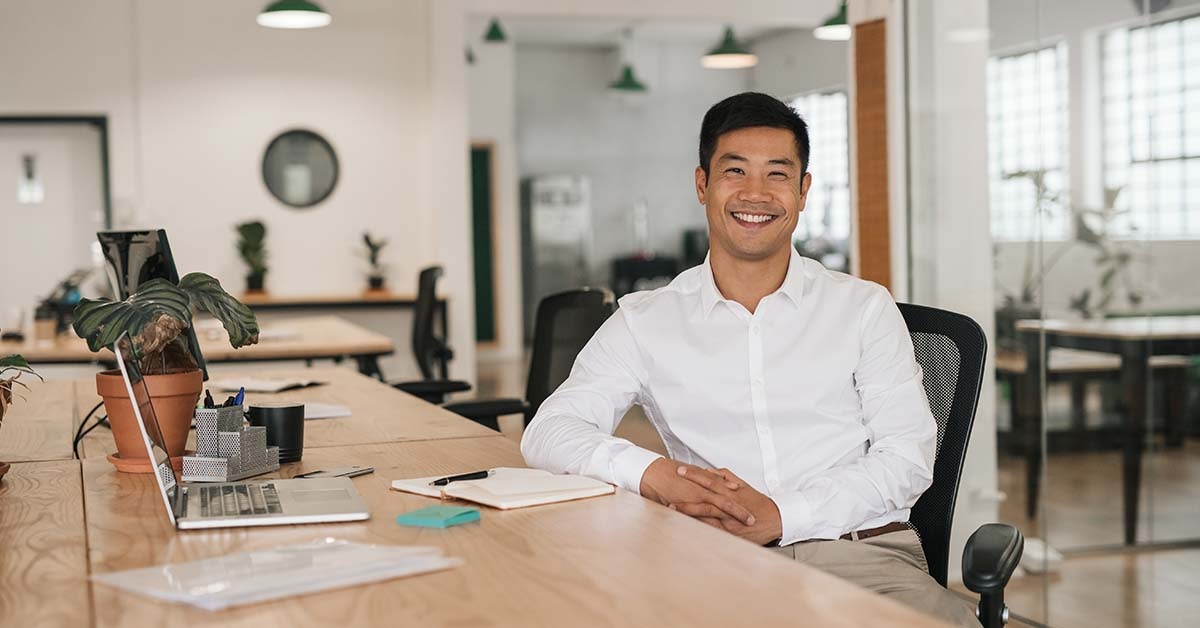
x: 308, y: 338
x: 615, y: 560
x: 1136, y: 340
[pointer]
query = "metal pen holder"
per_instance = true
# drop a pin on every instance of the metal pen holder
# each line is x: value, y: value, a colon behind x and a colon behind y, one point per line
x: 227, y: 449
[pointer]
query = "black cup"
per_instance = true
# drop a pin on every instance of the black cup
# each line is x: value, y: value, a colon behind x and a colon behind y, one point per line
x: 284, y: 421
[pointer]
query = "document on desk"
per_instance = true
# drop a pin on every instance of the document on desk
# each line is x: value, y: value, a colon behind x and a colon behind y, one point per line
x: 260, y: 575
x: 324, y: 410
x: 509, y: 488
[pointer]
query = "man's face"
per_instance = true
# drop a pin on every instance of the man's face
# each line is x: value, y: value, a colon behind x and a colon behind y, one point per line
x: 754, y: 192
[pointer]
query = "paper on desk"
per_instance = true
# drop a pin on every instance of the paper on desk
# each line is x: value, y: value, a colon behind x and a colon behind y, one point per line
x: 262, y: 384
x: 511, y: 488
x: 248, y: 577
x: 324, y: 410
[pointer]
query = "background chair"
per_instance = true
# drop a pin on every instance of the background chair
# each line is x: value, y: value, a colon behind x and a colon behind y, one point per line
x: 951, y: 349
x: 565, y: 322
x: 429, y: 349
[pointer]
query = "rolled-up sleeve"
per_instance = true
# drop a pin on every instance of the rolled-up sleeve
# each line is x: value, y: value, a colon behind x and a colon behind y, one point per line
x: 898, y: 465
x: 573, y: 429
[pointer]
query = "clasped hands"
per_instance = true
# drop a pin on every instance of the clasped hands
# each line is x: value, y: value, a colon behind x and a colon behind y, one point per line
x: 716, y: 497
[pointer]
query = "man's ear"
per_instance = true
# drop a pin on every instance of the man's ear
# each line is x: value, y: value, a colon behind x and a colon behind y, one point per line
x: 701, y: 186
x: 805, y: 186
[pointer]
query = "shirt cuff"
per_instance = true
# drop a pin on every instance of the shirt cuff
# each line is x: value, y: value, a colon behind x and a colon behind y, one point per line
x: 798, y: 520
x: 629, y: 466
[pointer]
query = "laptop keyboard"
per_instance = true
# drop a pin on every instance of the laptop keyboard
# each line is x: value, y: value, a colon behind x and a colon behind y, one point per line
x: 237, y: 500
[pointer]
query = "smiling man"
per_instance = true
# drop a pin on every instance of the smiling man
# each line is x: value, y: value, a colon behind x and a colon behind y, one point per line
x: 787, y: 395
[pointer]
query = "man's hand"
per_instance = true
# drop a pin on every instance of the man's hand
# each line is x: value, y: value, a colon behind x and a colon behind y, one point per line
x: 662, y: 483
x: 767, y: 524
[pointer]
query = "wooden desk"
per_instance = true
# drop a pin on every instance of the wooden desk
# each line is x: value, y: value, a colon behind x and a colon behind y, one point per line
x: 379, y: 413
x: 1136, y: 341
x: 312, y: 338
x: 41, y: 426
x: 43, y: 547
x: 616, y: 560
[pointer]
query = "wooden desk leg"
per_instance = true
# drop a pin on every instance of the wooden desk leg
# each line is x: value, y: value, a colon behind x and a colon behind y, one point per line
x: 1029, y: 399
x: 1135, y: 364
x: 1176, y: 406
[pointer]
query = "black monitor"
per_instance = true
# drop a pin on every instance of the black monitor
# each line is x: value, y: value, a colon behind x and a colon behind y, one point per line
x: 138, y: 256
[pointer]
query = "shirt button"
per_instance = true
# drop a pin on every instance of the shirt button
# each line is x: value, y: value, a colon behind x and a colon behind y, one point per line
x: 754, y: 330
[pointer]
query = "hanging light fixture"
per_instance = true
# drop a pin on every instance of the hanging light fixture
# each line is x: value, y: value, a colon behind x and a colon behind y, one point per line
x: 293, y: 14
x: 836, y: 28
x: 495, y: 34
x: 628, y: 83
x: 729, y: 54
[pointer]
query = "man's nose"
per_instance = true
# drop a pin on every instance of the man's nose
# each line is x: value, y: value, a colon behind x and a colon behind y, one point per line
x: 754, y: 191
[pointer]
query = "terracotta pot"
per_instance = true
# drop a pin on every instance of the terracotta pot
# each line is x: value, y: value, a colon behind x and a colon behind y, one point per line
x: 173, y: 396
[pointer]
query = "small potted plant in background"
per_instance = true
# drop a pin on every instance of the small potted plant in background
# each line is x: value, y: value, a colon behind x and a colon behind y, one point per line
x: 155, y: 318
x: 252, y: 247
x: 11, y: 369
x: 375, y: 279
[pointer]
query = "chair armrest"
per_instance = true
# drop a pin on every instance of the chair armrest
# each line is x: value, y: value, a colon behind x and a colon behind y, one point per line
x: 484, y: 408
x: 990, y: 556
x: 432, y: 390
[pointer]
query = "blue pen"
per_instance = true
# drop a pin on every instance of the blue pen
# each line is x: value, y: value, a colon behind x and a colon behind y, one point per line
x: 241, y: 396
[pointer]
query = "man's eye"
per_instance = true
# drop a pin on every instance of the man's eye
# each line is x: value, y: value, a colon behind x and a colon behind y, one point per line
x: 734, y: 171
x: 778, y: 175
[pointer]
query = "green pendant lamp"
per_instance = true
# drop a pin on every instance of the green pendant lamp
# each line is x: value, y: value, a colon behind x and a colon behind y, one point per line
x: 835, y: 28
x: 495, y: 34
x: 628, y: 83
x: 729, y: 54
x: 293, y: 14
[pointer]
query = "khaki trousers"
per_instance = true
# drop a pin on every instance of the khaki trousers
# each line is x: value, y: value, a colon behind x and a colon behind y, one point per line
x: 890, y: 564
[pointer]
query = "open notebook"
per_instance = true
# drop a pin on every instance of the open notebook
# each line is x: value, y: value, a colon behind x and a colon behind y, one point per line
x: 511, y: 488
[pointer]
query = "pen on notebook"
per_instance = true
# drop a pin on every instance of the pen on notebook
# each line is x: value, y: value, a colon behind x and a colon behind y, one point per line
x: 476, y: 475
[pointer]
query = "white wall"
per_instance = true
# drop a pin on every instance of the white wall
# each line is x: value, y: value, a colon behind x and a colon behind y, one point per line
x: 195, y: 93
x: 792, y: 62
x: 568, y: 123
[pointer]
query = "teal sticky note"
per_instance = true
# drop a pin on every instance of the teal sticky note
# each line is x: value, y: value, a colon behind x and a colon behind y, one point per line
x: 439, y: 517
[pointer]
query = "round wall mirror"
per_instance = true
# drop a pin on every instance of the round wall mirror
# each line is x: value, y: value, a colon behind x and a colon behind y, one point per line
x: 300, y: 168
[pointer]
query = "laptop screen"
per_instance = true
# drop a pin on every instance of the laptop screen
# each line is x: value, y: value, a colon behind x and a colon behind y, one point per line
x: 168, y: 481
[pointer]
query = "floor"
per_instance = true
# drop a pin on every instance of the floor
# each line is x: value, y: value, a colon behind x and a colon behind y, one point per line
x: 1093, y: 587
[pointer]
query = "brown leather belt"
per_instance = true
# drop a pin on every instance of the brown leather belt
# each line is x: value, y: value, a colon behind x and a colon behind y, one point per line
x: 895, y: 526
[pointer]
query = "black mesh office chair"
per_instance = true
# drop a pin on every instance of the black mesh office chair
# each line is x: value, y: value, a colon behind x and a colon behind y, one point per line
x: 564, y: 324
x: 429, y: 349
x: 951, y: 348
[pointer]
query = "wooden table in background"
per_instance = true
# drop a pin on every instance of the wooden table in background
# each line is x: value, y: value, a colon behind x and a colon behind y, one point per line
x: 41, y: 425
x: 1136, y: 341
x: 310, y: 338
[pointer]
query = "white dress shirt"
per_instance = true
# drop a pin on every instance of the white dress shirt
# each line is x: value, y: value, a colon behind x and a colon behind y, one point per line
x: 815, y: 399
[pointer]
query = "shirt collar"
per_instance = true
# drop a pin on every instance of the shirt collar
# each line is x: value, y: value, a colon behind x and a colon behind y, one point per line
x: 792, y: 287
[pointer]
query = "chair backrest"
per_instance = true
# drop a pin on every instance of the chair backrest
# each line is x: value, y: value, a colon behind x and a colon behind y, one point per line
x: 951, y: 349
x: 565, y: 323
x: 428, y: 349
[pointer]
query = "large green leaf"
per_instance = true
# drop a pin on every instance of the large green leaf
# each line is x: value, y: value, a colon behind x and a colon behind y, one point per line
x: 207, y: 294
x: 101, y: 322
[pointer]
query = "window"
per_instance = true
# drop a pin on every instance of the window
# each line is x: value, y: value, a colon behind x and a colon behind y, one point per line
x: 827, y: 212
x: 1027, y: 145
x: 1151, y: 105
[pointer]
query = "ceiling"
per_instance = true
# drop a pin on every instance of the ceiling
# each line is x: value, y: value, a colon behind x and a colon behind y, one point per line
x: 600, y: 32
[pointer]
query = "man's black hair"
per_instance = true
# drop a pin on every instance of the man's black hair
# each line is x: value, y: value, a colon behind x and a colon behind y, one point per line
x: 751, y: 109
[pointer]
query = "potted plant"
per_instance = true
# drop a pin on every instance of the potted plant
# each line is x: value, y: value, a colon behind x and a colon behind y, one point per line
x: 11, y: 369
x: 155, y: 318
x: 252, y: 238
x: 375, y: 278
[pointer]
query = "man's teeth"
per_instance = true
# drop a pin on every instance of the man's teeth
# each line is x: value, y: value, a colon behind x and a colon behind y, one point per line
x: 752, y: 217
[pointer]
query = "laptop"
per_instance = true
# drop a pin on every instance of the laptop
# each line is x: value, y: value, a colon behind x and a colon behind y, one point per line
x: 233, y: 504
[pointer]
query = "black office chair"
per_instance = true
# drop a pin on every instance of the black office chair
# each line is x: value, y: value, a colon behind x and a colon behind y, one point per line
x: 951, y: 349
x: 565, y: 322
x: 430, y: 350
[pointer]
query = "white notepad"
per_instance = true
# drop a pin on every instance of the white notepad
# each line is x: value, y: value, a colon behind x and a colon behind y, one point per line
x: 509, y: 488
